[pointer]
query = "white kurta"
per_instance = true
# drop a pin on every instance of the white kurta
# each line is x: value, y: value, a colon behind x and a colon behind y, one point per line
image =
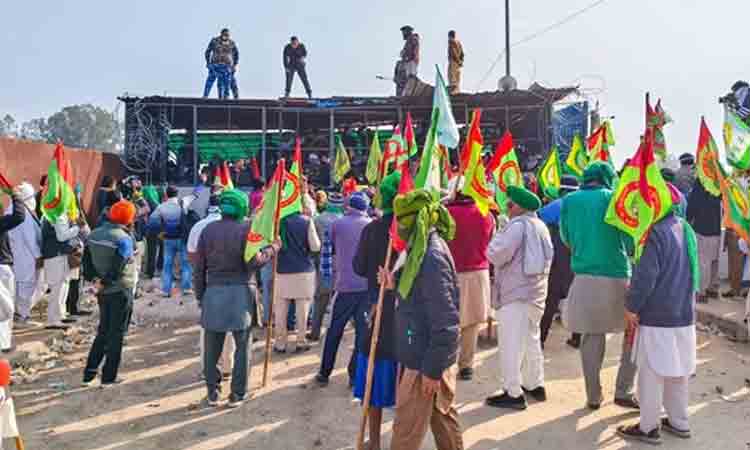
x: 7, y: 294
x: 25, y: 243
x: 670, y: 352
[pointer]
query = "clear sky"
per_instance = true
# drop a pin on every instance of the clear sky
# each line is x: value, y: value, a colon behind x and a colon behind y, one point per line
x: 688, y: 52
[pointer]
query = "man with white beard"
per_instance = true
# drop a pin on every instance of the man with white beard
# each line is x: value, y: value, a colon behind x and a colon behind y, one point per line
x: 25, y: 243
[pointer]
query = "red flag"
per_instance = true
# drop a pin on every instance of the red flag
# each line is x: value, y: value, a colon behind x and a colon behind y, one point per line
x: 475, y: 135
x: 254, y: 167
x: 5, y: 185
x: 349, y: 186
x: 404, y: 187
x: 411, y: 141
x: 503, y: 147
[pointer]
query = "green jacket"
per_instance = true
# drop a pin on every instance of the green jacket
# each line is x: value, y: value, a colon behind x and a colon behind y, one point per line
x: 110, y: 258
x: 596, y: 248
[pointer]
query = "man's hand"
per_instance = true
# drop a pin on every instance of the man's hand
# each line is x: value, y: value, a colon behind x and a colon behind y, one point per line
x: 98, y: 286
x: 385, y: 277
x: 631, y: 319
x: 429, y: 386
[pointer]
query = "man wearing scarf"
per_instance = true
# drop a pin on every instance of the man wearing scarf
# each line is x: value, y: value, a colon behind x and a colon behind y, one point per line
x: 110, y: 260
x: 599, y: 259
x: 522, y: 256
x: 660, y: 303
x: 25, y: 242
x: 225, y: 289
x: 427, y: 325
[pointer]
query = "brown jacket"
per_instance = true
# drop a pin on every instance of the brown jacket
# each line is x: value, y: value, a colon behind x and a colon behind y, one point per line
x: 455, y: 52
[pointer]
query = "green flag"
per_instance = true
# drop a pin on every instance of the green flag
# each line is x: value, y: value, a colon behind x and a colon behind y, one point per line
x: 641, y: 198
x: 291, y: 197
x: 505, y: 170
x: 373, y: 160
x: 263, y: 230
x: 549, y: 175
x: 578, y: 158
x: 342, y: 164
x: 736, y: 140
x: 58, y: 197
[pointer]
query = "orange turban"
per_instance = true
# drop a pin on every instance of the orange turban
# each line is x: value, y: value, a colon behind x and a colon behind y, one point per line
x: 122, y: 213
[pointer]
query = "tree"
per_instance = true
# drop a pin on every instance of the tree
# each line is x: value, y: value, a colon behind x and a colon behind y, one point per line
x: 35, y: 130
x: 84, y: 126
x: 8, y: 126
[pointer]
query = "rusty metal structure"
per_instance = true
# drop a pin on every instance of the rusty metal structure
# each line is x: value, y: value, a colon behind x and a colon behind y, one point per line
x: 149, y: 121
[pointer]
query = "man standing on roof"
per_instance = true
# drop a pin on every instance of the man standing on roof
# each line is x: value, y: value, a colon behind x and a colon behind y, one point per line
x: 410, y: 52
x: 455, y: 62
x: 295, y: 54
x: 222, y: 57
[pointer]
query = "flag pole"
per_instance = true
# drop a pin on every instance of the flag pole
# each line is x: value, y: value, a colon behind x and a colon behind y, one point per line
x: 373, y: 349
x: 269, y: 325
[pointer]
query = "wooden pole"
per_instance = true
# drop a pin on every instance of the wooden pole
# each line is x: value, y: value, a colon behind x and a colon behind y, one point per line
x: 269, y: 325
x: 19, y: 443
x: 373, y: 348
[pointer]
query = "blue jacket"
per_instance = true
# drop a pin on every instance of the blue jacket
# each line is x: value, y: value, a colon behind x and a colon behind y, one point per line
x: 167, y: 218
x: 661, y: 289
x: 296, y: 256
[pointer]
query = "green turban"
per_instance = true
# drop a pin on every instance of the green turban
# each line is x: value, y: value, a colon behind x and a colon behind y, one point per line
x: 234, y: 203
x: 388, y: 190
x: 151, y: 194
x: 524, y: 198
x: 418, y: 213
x: 600, y: 172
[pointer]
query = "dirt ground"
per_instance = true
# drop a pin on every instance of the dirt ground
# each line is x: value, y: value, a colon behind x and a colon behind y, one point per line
x: 156, y: 408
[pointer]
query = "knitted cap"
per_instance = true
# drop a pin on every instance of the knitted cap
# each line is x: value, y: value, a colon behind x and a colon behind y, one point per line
x: 359, y: 201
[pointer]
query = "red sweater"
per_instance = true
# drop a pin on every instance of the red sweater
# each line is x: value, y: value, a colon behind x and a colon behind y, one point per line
x: 473, y: 234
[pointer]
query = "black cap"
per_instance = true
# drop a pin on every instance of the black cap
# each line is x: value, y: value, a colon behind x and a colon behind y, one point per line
x: 172, y: 191
x: 687, y: 158
x: 568, y: 183
x: 213, y: 200
x: 407, y: 28
x: 294, y: 38
x: 224, y: 30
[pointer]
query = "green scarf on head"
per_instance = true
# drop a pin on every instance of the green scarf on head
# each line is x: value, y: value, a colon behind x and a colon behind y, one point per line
x: 418, y: 214
x: 387, y: 192
x: 234, y: 203
x: 151, y: 195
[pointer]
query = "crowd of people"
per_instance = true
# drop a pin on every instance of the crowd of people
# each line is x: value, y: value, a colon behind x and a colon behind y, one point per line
x: 543, y: 259
x: 222, y: 59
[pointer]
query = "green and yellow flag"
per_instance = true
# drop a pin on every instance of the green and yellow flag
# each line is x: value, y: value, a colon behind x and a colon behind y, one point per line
x: 373, y: 161
x: 707, y: 161
x: 736, y: 140
x: 736, y: 204
x: 291, y: 196
x: 505, y: 170
x: 342, y: 165
x: 475, y: 177
x: 599, y: 143
x: 641, y: 198
x: 549, y: 175
x: 264, y: 228
x: 578, y: 158
x: 656, y: 119
x: 58, y: 197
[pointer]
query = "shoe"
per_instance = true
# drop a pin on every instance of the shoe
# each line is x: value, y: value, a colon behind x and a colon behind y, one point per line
x: 212, y: 400
x: 302, y: 348
x: 115, y: 382
x: 87, y: 383
x: 8, y: 350
x: 701, y: 299
x: 82, y: 313
x: 279, y: 350
x: 634, y: 432
x: 730, y: 294
x: 165, y: 295
x: 573, y: 343
x: 56, y: 327
x: 235, y: 401
x: 321, y: 380
x: 666, y: 426
x: 712, y: 293
x: 311, y: 337
x: 226, y: 375
x: 69, y: 320
x: 466, y: 374
x: 539, y: 394
x: 630, y: 403
x: 187, y: 292
x: 593, y: 406
x: 504, y: 400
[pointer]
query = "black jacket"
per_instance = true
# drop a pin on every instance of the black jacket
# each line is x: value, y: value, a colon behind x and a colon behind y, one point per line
x: 294, y: 57
x: 427, y: 322
x: 7, y: 223
x: 369, y: 257
x: 704, y: 211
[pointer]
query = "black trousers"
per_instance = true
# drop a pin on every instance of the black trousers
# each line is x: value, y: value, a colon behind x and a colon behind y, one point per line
x: 551, y: 307
x: 302, y: 76
x: 74, y: 294
x: 114, y: 314
x: 154, y: 255
x: 213, y: 342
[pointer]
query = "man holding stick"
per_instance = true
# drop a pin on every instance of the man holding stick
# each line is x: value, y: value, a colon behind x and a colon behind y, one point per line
x: 427, y: 325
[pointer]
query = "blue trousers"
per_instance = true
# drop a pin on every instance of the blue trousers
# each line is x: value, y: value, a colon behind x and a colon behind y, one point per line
x: 175, y: 248
x: 348, y: 306
x: 221, y: 73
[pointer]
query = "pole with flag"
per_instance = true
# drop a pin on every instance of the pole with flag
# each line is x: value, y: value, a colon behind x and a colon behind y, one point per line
x: 58, y: 197
x: 578, y: 158
x: 505, y: 169
x: 395, y: 242
x: 549, y: 175
x: 475, y: 176
x: 373, y: 161
x: 263, y: 232
x: 342, y: 164
x: 411, y: 140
